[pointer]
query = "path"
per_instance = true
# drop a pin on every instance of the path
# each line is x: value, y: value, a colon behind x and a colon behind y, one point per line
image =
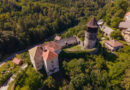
x: 19, y: 52
x: 6, y: 84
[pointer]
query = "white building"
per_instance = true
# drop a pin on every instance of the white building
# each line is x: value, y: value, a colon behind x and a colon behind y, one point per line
x: 127, y: 17
x: 106, y: 30
x: 51, y: 62
x: 125, y: 27
x: 46, y: 55
x: 126, y: 35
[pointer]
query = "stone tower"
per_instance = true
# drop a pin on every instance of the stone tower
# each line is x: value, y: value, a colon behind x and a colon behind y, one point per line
x: 91, y: 34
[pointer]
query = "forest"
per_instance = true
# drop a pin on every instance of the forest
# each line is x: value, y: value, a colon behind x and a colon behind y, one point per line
x: 27, y: 22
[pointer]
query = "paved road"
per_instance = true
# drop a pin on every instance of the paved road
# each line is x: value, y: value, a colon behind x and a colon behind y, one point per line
x: 6, y: 84
x: 19, y: 52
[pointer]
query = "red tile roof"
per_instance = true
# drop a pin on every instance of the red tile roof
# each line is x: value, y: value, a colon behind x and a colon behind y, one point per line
x: 52, y: 46
x: 114, y: 43
x: 17, y: 61
x: 39, y: 51
x: 128, y: 13
x: 49, y: 55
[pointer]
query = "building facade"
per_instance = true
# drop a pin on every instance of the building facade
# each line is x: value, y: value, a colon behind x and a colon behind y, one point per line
x: 46, y: 55
x: 126, y: 35
x: 91, y: 34
x: 107, y: 31
x: 51, y: 62
x: 125, y: 27
x: 113, y: 45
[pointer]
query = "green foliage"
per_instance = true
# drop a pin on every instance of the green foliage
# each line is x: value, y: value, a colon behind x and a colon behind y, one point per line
x: 50, y: 82
x: 75, y: 67
x: 114, y: 12
x: 116, y: 35
x: 27, y: 22
x: 6, y: 71
x: 81, y: 35
x: 100, y: 62
x: 78, y: 81
x: 28, y: 79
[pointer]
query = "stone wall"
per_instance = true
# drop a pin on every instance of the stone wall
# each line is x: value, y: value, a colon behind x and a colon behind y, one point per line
x: 90, y: 40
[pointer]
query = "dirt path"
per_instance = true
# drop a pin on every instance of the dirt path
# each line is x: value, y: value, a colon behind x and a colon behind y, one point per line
x: 6, y: 84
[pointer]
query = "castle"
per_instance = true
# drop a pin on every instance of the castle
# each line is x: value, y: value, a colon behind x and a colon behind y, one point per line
x: 91, y: 34
x: 47, y: 54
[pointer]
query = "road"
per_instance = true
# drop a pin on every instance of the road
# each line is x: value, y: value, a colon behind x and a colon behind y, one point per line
x: 6, y: 84
x: 19, y: 52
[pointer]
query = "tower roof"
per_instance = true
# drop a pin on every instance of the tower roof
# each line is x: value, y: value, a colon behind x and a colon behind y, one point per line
x: 92, y: 23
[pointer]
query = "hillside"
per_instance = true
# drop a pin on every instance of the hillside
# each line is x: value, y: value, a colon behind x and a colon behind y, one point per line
x: 23, y: 23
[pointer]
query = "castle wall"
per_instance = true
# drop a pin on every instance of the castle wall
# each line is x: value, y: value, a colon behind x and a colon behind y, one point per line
x: 90, y: 40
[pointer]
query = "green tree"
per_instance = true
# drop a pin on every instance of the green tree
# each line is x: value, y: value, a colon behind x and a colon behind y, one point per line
x: 116, y: 35
x: 50, y: 82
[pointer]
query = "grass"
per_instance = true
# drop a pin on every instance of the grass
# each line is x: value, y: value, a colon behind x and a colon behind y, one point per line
x: 9, y: 68
x: 78, y: 48
x: 6, y: 70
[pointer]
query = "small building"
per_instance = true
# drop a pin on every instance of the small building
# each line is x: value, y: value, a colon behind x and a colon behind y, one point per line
x: 124, y: 25
x: 46, y: 55
x: 17, y: 61
x: 100, y: 22
x: 67, y: 42
x: 126, y: 35
x: 113, y: 45
x: 57, y: 38
x: 107, y: 31
x: 125, y: 30
x: 127, y: 17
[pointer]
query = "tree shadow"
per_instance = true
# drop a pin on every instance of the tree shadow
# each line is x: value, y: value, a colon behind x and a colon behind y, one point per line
x: 71, y: 55
x: 107, y: 55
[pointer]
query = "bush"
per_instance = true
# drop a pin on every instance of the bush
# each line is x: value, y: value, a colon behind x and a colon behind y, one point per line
x: 116, y: 35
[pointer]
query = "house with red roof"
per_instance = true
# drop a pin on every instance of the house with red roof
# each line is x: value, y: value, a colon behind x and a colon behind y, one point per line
x: 17, y: 61
x: 46, y: 55
x: 113, y: 45
x: 51, y: 62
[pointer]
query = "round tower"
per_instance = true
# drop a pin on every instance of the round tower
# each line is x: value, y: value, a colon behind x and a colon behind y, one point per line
x: 91, y: 34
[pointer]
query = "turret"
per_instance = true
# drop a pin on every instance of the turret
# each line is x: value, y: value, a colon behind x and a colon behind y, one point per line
x: 91, y: 34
